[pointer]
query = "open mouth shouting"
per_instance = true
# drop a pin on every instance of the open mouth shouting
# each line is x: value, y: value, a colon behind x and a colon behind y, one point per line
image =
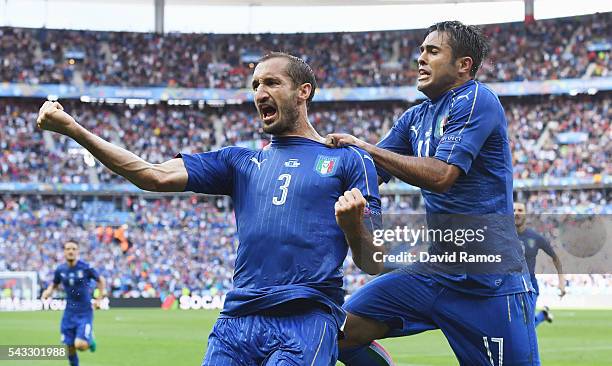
x: 268, y: 112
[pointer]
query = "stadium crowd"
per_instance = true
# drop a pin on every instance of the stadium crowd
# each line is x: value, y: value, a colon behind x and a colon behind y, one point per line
x: 139, y: 257
x: 570, y: 202
x: 548, y: 49
x: 556, y: 136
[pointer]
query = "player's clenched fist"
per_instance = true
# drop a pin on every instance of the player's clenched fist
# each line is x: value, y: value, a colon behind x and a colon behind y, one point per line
x: 349, y: 210
x: 52, y: 117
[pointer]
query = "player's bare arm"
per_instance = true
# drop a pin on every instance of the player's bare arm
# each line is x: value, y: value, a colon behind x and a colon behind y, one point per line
x: 349, y: 216
x: 424, y: 172
x: 101, y: 288
x: 170, y: 176
x: 559, y: 268
x: 48, y: 291
x: 101, y: 285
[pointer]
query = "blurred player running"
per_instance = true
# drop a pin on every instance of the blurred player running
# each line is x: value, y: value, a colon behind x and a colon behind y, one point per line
x: 297, y: 204
x: 532, y: 243
x: 455, y: 147
x: 77, y: 323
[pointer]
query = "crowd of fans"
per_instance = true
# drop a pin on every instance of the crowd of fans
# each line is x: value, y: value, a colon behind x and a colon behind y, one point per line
x: 536, y: 128
x: 158, y: 132
x: 167, y: 245
x: 585, y: 201
x: 547, y: 49
x: 173, y: 243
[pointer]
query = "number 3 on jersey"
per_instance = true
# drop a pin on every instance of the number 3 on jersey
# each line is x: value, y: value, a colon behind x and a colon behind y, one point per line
x: 286, y: 179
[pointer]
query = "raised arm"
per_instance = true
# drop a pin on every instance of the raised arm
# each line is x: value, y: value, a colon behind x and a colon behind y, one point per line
x: 170, y: 176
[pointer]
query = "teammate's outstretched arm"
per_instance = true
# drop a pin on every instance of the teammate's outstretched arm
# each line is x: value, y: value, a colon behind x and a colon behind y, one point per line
x: 349, y: 216
x: 170, y: 176
x: 424, y: 172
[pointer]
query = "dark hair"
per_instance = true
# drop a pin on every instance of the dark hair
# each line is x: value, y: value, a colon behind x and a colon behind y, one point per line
x: 297, y: 69
x: 70, y: 241
x: 464, y: 40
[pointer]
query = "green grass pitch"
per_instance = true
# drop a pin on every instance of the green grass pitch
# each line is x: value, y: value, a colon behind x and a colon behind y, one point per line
x: 156, y: 337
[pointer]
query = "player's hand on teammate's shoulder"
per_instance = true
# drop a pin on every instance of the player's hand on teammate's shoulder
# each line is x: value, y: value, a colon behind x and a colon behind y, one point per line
x: 349, y: 209
x: 342, y: 139
x: 52, y: 117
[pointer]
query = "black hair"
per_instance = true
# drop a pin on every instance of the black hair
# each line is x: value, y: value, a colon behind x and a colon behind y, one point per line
x: 70, y: 241
x: 297, y: 69
x: 464, y: 40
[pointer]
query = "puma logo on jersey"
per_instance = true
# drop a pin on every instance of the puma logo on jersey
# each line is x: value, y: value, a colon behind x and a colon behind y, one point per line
x: 258, y: 163
x: 466, y: 96
x: 415, y: 129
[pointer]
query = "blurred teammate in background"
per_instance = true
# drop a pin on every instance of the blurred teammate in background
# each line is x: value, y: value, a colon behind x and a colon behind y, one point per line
x: 532, y: 243
x: 77, y: 323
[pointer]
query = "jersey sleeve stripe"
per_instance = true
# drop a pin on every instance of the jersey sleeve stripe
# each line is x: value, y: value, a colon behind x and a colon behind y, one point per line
x: 365, y: 170
x: 466, y: 122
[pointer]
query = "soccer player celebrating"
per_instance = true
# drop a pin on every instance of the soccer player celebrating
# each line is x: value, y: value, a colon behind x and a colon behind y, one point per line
x: 532, y: 243
x: 454, y: 146
x: 297, y: 204
x: 77, y: 322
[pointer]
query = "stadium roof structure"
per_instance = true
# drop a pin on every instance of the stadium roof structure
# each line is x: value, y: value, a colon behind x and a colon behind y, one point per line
x: 319, y: 2
x: 278, y: 16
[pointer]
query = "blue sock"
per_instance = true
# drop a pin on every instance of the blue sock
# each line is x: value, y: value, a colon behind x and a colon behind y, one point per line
x: 73, y: 359
x: 539, y: 318
x: 372, y: 355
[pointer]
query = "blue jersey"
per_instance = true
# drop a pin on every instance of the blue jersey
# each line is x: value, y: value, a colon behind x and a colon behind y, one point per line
x: 77, y: 283
x: 532, y: 243
x: 290, y: 244
x: 466, y: 127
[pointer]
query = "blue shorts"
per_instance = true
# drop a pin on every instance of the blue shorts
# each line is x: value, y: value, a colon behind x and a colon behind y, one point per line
x: 76, y: 325
x: 262, y: 340
x: 481, y: 330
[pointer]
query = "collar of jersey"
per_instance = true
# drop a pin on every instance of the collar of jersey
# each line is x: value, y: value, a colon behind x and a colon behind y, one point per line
x: 75, y: 264
x: 292, y: 140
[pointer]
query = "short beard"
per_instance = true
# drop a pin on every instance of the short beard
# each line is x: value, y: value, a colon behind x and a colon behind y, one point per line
x: 287, y: 125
